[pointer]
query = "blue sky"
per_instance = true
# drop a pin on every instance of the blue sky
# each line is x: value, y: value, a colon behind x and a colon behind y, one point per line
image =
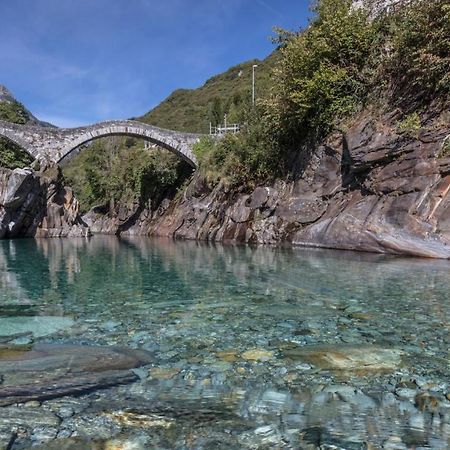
x: 74, y: 62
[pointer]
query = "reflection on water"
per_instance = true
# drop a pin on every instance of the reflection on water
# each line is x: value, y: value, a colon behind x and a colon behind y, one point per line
x: 227, y: 328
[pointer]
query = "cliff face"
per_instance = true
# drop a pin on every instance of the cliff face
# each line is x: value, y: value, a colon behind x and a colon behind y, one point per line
x: 378, y: 187
x: 37, y: 205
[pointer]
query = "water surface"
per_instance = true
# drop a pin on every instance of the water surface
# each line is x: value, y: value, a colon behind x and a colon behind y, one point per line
x: 251, y: 347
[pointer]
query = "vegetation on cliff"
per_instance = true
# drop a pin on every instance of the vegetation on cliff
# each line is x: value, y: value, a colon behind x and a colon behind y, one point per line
x: 344, y: 60
x: 12, y: 156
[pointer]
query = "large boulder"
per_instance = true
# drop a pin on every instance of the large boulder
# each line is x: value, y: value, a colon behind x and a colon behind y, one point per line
x: 38, y: 205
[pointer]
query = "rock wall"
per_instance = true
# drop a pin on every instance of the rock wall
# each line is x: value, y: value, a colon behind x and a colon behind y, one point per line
x: 377, y: 7
x: 38, y: 205
x: 378, y: 187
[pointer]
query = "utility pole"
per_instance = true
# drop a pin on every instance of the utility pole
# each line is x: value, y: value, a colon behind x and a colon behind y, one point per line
x: 253, y: 83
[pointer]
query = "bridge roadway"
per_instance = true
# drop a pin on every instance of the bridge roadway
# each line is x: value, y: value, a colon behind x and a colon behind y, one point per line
x: 52, y: 145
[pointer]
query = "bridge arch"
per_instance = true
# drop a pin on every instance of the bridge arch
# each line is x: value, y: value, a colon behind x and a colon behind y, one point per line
x: 178, y: 143
x: 51, y: 144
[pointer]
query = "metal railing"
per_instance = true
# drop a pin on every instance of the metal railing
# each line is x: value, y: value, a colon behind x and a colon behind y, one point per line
x: 223, y: 129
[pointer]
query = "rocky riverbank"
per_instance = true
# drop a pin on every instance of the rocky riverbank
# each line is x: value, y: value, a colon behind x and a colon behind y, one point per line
x: 380, y: 186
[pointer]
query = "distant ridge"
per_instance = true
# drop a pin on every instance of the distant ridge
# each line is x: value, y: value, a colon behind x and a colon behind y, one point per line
x: 7, y: 97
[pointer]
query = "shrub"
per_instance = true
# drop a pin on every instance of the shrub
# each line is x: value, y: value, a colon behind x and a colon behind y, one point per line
x: 421, y: 49
x: 321, y: 75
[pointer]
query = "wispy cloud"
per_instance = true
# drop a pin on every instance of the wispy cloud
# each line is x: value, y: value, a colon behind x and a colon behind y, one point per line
x: 270, y: 8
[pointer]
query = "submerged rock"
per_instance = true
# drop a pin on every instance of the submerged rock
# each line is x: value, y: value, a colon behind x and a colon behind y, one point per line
x: 119, y: 443
x: 39, y: 326
x: 359, y: 359
x: 257, y: 354
x: 48, y: 371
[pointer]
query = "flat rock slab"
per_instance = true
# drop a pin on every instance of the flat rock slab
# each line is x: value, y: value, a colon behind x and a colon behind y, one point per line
x: 361, y: 359
x: 38, y: 325
x: 47, y: 371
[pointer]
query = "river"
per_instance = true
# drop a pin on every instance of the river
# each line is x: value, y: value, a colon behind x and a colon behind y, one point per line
x: 248, y: 348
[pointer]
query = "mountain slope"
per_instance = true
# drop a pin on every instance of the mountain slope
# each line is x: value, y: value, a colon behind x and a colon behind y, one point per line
x: 192, y: 110
x: 13, y: 111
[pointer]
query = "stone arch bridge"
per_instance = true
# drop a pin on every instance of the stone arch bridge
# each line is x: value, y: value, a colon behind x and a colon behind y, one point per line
x: 52, y: 145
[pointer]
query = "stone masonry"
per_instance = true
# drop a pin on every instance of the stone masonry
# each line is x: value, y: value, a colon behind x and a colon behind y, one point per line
x: 51, y: 145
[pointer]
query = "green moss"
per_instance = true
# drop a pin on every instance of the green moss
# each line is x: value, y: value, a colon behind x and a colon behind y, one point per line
x: 410, y: 125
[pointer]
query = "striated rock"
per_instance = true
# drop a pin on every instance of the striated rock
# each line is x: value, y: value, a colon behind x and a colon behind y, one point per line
x: 38, y: 205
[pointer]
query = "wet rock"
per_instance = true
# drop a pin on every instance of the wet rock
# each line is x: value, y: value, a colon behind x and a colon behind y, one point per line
x: 162, y: 373
x: 426, y: 402
x: 38, y: 204
x: 29, y: 421
x: 48, y: 371
x: 38, y: 326
x: 139, y: 420
x: 228, y: 355
x: 257, y: 354
x: 359, y: 359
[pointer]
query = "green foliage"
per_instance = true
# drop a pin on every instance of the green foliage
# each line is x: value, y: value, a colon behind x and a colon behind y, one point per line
x: 111, y: 172
x: 12, y: 156
x: 410, y: 125
x: 445, y: 151
x: 203, y: 148
x: 240, y: 159
x: 421, y: 49
x: 13, y: 112
x: 321, y: 76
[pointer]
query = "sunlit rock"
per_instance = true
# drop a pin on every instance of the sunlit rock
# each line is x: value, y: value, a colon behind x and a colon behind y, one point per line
x: 363, y: 358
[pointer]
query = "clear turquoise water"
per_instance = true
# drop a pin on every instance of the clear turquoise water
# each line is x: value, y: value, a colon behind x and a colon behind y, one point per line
x: 186, y: 302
